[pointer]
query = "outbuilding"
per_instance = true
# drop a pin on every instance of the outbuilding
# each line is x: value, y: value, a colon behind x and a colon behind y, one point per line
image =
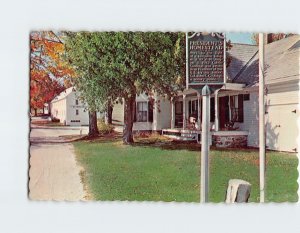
x: 68, y: 109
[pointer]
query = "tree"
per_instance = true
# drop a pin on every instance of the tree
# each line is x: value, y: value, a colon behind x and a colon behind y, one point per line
x: 47, y: 69
x: 81, y: 55
x: 42, y: 89
x: 125, y: 64
x: 271, y: 37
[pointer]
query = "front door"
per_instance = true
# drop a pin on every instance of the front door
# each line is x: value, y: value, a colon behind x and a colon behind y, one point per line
x: 178, y: 114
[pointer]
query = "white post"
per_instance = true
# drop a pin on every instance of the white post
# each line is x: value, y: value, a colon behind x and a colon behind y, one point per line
x: 205, y: 145
x: 229, y: 106
x: 262, y: 137
x: 184, y: 112
x: 173, y: 113
x: 199, y: 110
x: 217, y: 110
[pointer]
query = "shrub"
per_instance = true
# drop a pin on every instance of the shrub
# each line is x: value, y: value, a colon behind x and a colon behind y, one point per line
x: 151, y: 138
x: 104, y: 128
x: 54, y: 119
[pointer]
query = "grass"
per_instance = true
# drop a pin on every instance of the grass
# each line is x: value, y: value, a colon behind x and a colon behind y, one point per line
x: 165, y: 171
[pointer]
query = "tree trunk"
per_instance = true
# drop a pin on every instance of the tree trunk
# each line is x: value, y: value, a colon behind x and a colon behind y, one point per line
x: 93, y: 128
x: 108, y: 114
x: 129, y: 109
x: 49, y: 108
x: 35, y: 112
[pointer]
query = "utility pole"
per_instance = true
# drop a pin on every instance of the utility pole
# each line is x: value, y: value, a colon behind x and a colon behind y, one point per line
x: 262, y: 136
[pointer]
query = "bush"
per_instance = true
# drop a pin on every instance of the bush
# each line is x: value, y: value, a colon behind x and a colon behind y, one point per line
x: 54, y: 119
x: 104, y: 128
x: 151, y: 138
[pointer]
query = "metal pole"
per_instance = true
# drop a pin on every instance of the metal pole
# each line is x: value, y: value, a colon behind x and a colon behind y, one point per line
x: 262, y: 137
x: 205, y: 145
x: 216, y: 110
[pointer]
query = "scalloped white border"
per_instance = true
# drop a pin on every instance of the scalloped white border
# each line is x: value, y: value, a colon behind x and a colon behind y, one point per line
x: 18, y: 214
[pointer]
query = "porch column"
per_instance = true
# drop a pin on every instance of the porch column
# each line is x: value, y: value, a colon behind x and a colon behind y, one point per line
x: 172, y: 113
x: 229, y: 106
x: 199, y: 110
x: 216, y: 110
x: 184, y: 112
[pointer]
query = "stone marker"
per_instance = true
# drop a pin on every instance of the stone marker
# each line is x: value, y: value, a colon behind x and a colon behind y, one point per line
x: 238, y: 191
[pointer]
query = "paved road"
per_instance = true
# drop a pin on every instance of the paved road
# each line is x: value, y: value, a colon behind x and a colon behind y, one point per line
x: 54, y: 172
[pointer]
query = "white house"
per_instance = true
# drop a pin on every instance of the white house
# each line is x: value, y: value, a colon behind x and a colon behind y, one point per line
x: 234, y: 108
x: 69, y: 109
x: 282, y: 78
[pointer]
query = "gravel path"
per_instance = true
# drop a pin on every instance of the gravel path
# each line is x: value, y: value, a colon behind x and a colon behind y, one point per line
x: 54, y: 173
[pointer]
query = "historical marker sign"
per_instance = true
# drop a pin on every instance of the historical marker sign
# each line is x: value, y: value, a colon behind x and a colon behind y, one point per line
x: 205, y: 59
x: 205, y: 71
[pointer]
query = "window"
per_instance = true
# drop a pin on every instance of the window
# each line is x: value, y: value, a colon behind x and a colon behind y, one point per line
x: 246, y: 97
x: 75, y: 121
x: 141, y: 111
x: 76, y: 102
x: 193, y: 108
x: 77, y: 112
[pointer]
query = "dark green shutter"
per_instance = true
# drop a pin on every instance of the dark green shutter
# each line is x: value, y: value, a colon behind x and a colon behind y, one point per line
x: 212, y: 109
x: 150, y: 110
x: 241, y: 108
x: 134, y: 112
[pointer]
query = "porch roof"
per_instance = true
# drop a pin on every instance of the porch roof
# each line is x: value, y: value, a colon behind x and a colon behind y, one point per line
x: 228, y: 87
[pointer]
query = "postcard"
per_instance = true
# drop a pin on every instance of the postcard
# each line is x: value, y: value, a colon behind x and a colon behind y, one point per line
x: 164, y: 116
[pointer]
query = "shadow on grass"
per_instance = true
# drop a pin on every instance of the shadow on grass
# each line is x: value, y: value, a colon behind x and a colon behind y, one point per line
x: 159, y: 142
x: 190, y: 146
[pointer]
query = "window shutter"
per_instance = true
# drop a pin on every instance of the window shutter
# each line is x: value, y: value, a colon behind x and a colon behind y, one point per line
x: 134, y: 112
x: 212, y: 109
x: 241, y: 108
x: 150, y: 110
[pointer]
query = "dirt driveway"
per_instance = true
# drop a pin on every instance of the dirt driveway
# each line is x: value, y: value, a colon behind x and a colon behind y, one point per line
x: 54, y: 172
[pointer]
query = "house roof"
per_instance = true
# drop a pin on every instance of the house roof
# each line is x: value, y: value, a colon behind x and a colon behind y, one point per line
x: 281, y: 63
x: 240, y: 55
x: 63, y: 94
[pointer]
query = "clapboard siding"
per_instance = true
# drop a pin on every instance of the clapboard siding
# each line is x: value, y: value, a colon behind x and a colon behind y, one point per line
x: 251, y: 123
x: 282, y: 98
x: 163, y: 113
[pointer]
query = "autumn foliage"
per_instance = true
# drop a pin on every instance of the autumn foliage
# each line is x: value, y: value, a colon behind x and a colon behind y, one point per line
x: 48, y: 71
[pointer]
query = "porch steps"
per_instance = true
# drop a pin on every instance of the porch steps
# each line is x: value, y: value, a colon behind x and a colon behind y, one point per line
x: 185, y: 135
x: 182, y: 135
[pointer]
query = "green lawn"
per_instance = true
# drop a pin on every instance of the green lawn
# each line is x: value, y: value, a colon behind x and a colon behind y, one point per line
x: 168, y: 172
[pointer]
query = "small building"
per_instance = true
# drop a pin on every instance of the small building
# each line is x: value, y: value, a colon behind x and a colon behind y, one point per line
x: 68, y: 108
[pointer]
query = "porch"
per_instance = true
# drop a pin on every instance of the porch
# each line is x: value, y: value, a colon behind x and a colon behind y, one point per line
x: 221, y: 139
x: 226, y: 117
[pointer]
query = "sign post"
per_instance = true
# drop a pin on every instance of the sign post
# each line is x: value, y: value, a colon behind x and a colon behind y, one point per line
x: 205, y: 72
x: 205, y: 144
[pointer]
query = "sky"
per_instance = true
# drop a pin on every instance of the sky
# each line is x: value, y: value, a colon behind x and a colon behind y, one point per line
x: 239, y: 37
